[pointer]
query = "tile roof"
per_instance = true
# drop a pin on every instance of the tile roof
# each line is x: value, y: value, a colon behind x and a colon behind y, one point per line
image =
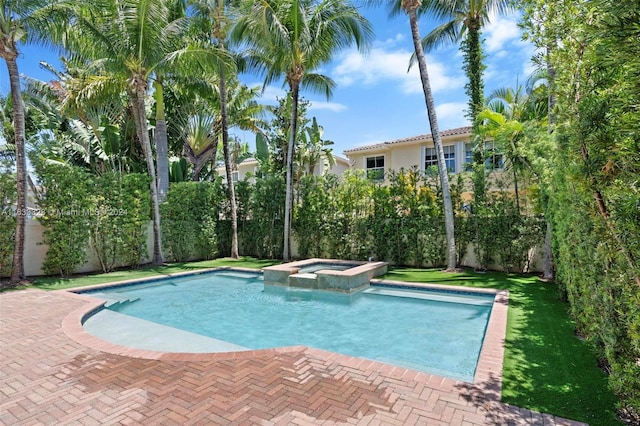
x: 451, y: 132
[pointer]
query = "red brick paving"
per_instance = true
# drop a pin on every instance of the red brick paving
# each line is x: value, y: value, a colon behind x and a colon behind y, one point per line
x: 52, y: 372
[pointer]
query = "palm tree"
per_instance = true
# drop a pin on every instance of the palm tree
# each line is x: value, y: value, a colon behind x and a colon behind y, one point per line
x: 129, y: 42
x: 201, y: 136
x: 291, y: 39
x: 215, y: 10
x: 20, y: 21
x: 239, y: 152
x: 314, y: 148
x: 89, y: 129
x: 466, y: 18
x: 411, y: 7
x: 507, y: 110
x: 177, y: 10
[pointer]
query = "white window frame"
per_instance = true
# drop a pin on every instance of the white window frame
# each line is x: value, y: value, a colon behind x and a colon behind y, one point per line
x: 468, y: 156
x: 379, y: 170
x: 449, y: 157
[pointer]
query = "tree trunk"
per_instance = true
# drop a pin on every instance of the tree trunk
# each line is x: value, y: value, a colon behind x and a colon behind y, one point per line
x: 162, y: 160
x: 473, y: 69
x: 227, y: 165
x: 548, y: 265
x: 17, y: 270
x: 435, y: 132
x: 547, y: 258
x: 139, y: 115
x: 288, y: 206
x: 515, y: 185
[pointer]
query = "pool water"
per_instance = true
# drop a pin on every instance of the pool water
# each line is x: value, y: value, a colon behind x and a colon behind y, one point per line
x: 313, y: 267
x: 435, y: 332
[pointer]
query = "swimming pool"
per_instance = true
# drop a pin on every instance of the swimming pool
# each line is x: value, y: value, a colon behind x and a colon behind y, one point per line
x: 435, y: 332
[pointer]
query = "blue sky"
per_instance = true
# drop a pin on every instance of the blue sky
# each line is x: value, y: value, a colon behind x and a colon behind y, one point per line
x: 376, y: 99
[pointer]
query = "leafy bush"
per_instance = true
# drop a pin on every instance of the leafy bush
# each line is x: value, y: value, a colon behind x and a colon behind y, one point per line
x: 66, y: 206
x: 121, y: 210
x: 7, y: 221
x: 189, y: 215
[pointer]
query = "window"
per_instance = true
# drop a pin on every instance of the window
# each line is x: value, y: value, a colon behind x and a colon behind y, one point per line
x: 375, y: 167
x: 235, y: 177
x: 431, y: 159
x: 494, y: 158
x: 468, y: 156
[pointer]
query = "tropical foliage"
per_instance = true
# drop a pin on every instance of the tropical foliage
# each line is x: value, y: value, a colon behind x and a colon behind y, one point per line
x: 592, y: 188
x: 81, y: 212
x: 189, y: 215
x: 7, y: 220
x: 291, y: 40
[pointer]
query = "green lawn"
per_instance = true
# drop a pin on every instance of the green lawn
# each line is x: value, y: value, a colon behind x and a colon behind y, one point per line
x: 546, y: 368
x: 57, y: 283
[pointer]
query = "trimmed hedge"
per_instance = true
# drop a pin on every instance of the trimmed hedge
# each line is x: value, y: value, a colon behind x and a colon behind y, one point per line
x: 106, y: 213
x: 7, y: 221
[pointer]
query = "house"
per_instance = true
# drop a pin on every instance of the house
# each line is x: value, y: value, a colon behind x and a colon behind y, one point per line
x: 419, y: 151
x: 249, y: 166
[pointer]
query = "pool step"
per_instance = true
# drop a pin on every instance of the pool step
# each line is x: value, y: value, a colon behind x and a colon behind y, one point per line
x: 467, y: 299
x: 113, y: 299
x: 306, y: 280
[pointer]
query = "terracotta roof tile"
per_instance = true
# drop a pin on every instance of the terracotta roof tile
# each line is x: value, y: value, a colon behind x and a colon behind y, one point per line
x: 451, y: 132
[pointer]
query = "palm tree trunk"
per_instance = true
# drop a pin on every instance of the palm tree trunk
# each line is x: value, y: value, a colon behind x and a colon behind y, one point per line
x: 548, y: 264
x: 473, y: 68
x: 435, y: 132
x: 227, y: 166
x: 17, y: 270
x: 140, y: 118
x: 288, y: 206
x: 162, y: 160
x: 547, y: 257
x: 515, y: 184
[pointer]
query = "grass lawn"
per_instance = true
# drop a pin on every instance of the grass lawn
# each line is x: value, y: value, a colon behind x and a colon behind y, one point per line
x: 546, y: 368
x: 57, y: 283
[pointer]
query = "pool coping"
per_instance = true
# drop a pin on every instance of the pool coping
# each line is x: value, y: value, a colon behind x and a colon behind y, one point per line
x: 488, y: 373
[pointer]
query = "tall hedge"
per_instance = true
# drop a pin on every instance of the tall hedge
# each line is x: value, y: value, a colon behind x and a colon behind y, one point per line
x: 7, y: 220
x: 81, y: 212
x: 189, y: 217
x: 593, y: 188
x: 66, y: 208
x: 121, y: 211
x: 262, y: 224
x: 401, y: 222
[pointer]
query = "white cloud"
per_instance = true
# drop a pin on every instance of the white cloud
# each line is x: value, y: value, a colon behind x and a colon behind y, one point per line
x: 392, y: 41
x: 329, y: 106
x: 451, y: 115
x: 500, y: 31
x: 387, y: 66
x: 272, y: 93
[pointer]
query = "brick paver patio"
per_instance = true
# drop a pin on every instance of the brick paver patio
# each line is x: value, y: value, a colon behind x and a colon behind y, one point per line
x: 52, y: 372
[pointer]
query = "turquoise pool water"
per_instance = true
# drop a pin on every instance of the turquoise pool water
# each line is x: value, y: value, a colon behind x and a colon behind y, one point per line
x: 436, y: 332
x: 313, y: 267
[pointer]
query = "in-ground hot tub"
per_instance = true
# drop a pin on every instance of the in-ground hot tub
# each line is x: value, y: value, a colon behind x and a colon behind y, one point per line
x: 324, y: 274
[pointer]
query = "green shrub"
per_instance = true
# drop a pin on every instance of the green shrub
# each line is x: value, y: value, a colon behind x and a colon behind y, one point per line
x: 189, y: 215
x: 66, y: 205
x: 7, y: 221
x: 121, y: 211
